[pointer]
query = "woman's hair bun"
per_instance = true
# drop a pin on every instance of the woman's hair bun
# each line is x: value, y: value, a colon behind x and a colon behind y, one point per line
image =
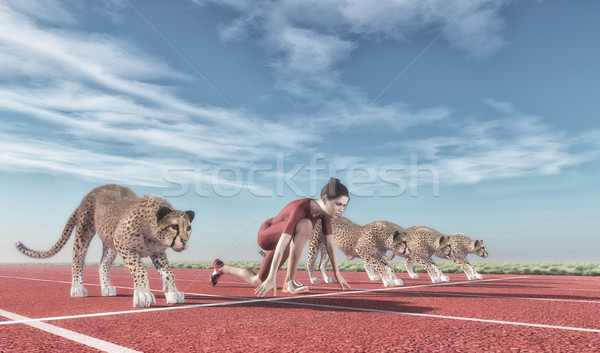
x: 334, y: 189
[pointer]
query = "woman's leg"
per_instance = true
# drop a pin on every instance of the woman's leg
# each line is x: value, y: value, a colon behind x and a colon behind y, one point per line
x: 268, y: 236
x: 244, y: 274
x: 301, y: 236
x: 267, y: 262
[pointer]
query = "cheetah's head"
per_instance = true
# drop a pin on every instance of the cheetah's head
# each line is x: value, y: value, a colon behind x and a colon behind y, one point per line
x: 399, y: 243
x: 444, y: 246
x: 174, y: 227
x: 480, y: 249
x: 399, y: 246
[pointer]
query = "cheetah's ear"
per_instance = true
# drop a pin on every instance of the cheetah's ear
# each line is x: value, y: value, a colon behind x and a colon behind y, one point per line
x: 396, y: 234
x: 477, y: 243
x: 162, y: 212
x: 191, y: 215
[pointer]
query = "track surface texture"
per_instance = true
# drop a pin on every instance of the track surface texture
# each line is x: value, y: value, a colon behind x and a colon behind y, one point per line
x: 501, y: 313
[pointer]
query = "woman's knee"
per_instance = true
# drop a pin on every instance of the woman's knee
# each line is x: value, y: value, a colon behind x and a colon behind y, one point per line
x: 304, y: 227
x: 256, y: 281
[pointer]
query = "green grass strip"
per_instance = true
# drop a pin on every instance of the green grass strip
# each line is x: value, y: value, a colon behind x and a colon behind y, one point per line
x: 512, y: 268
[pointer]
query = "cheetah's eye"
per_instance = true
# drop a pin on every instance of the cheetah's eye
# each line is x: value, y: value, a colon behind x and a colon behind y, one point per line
x: 175, y: 227
x: 189, y: 228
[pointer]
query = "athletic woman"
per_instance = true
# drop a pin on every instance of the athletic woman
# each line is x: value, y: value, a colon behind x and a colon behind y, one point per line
x: 285, y: 235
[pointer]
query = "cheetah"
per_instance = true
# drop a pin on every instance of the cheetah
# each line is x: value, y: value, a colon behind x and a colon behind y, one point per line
x: 369, y: 242
x: 422, y: 243
x: 464, y: 246
x: 131, y: 226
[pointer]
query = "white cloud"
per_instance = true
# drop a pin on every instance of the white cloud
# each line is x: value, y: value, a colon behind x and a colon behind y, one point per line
x: 307, y: 39
x: 515, y: 145
x: 472, y: 26
x: 309, y: 52
x: 504, y: 107
x: 105, y: 98
x: 479, y: 31
x: 50, y: 11
x: 119, y: 120
x: 34, y: 155
x: 63, y: 13
x: 108, y: 117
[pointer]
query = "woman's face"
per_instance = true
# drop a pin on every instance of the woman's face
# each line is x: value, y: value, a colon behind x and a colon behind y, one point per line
x: 335, y: 207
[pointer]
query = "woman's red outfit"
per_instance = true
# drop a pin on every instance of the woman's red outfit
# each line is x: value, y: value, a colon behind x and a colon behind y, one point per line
x: 285, y: 222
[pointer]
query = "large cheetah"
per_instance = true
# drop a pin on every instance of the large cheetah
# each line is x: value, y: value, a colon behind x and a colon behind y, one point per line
x: 369, y: 242
x: 131, y: 226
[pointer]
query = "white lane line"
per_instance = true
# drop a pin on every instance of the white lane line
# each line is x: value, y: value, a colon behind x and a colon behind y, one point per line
x: 70, y: 335
x: 568, y: 328
x: 444, y: 294
x: 576, y: 289
x: 98, y: 285
x: 36, y: 279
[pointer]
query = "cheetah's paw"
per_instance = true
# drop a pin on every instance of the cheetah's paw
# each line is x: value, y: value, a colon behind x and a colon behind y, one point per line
x: 329, y: 280
x: 374, y: 277
x: 143, y: 298
x: 315, y: 280
x: 394, y: 283
x: 174, y: 297
x: 436, y: 279
x: 398, y: 282
x: 78, y: 291
x: 108, y: 291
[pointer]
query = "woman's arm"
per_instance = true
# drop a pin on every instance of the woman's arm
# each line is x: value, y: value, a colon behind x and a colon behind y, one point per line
x: 270, y: 282
x: 332, y: 255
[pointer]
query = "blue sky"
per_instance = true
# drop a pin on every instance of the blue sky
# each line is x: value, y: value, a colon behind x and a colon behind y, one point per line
x: 468, y: 116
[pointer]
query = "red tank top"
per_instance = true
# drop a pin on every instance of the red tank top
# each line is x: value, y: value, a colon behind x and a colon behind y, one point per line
x: 295, y: 211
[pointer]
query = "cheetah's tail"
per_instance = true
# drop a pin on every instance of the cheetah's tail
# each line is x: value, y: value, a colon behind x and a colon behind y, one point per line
x: 56, y: 248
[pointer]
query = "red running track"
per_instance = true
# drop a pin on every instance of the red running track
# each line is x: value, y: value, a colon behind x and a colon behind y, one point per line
x: 501, y: 313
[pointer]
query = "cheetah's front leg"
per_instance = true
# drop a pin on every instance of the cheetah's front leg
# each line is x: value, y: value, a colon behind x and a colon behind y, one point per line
x: 430, y: 267
x: 408, y: 264
x: 371, y: 272
x: 438, y: 271
x: 142, y: 296
x: 386, y: 272
x: 468, y: 269
x: 323, y: 266
x: 313, y: 252
x: 162, y: 266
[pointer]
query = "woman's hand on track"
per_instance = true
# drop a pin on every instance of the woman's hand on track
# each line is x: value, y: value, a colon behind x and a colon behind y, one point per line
x: 342, y: 281
x: 265, y: 287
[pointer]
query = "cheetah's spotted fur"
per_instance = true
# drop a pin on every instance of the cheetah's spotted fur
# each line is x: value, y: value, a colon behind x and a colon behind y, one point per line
x: 369, y: 242
x: 131, y: 226
x: 464, y: 246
